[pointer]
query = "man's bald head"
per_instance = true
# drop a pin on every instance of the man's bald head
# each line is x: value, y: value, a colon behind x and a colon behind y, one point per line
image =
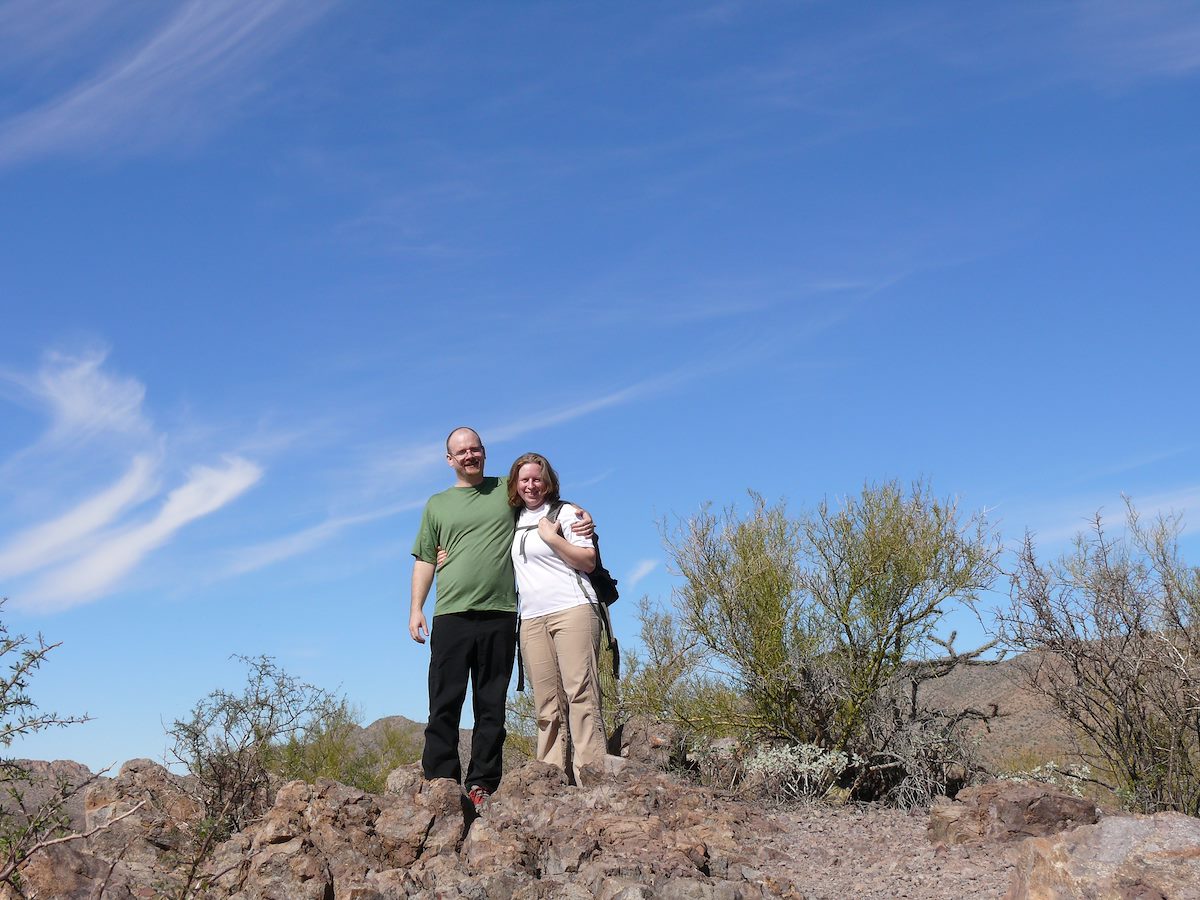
x: 461, y: 430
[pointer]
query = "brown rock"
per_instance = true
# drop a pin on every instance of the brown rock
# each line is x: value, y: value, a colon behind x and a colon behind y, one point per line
x: 38, y: 782
x: 1121, y: 858
x: 646, y: 741
x: 164, y: 823
x: 1006, y: 811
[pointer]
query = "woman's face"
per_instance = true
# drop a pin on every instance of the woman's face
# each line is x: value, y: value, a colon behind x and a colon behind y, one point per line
x: 531, y: 487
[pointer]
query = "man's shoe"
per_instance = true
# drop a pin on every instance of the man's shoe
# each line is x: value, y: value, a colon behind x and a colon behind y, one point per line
x: 478, y: 795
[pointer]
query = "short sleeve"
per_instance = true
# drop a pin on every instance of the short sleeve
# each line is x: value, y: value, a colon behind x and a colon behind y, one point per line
x: 425, y: 544
x: 567, y: 517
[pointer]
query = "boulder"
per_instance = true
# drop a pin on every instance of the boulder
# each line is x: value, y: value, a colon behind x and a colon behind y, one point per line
x: 643, y: 740
x: 164, y: 824
x: 38, y: 783
x: 66, y: 872
x: 1007, y: 811
x: 1123, y: 858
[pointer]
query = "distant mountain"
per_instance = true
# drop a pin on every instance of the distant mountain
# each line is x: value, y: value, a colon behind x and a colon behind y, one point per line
x: 1026, y: 733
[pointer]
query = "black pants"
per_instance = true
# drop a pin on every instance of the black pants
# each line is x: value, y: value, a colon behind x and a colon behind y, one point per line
x: 479, y: 646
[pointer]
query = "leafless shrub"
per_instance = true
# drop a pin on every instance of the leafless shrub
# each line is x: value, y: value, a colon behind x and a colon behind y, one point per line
x: 1112, y: 636
x: 28, y: 826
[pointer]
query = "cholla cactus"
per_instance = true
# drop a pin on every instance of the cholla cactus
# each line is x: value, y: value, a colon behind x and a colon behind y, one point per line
x: 794, y: 771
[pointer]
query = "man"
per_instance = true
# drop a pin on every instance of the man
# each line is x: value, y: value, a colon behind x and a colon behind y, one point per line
x: 475, y: 618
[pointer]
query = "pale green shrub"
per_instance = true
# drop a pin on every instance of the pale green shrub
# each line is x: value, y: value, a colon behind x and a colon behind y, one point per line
x: 792, y: 772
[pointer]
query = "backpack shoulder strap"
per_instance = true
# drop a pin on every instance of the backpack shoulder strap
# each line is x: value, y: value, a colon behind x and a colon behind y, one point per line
x: 555, y: 509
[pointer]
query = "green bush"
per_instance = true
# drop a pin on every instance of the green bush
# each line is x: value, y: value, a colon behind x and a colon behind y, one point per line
x: 820, y: 630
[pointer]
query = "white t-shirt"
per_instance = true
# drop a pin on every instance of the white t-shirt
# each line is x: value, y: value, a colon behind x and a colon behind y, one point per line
x: 545, y: 583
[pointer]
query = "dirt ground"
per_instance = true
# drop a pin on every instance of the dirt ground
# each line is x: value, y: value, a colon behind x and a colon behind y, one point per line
x: 854, y: 853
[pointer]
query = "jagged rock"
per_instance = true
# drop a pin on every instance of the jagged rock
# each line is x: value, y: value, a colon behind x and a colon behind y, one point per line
x: 1006, y: 811
x: 537, y: 837
x: 163, y: 825
x: 37, y: 782
x: 646, y: 741
x: 1122, y: 858
x: 66, y: 872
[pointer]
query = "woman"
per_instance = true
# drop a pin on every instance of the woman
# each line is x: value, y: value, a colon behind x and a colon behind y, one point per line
x: 560, y: 631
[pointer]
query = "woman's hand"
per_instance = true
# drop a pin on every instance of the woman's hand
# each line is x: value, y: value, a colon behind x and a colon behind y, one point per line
x: 441, y: 557
x: 581, y: 558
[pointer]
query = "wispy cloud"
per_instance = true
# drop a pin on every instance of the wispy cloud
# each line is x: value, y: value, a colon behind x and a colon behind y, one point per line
x: 551, y: 417
x: 206, y: 490
x: 1122, y: 41
x: 1067, y: 517
x: 95, y: 416
x: 61, y: 537
x: 270, y: 552
x: 82, y: 398
x: 166, y: 88
x: 395, y: 465
x: 640, y: 571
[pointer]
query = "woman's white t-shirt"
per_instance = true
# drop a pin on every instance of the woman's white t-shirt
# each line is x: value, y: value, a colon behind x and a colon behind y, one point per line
x: 545, y: 583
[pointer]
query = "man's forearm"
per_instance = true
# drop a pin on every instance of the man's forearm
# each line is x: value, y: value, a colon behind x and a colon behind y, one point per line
x: 422, y: 581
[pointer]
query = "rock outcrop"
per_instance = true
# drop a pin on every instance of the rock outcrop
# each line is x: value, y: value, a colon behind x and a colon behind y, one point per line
x: 1007, y: 811
x: 1123, y: 857
x: 638, y: 833
x: 628, y: 831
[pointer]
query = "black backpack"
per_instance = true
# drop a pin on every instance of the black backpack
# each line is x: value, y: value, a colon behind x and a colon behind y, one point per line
x: 604, y: 586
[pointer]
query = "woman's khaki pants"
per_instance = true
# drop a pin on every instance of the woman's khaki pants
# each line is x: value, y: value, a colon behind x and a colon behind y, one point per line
x: 561, y: 652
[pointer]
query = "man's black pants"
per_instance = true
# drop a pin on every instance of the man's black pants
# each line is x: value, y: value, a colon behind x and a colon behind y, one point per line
x: 479, y: 646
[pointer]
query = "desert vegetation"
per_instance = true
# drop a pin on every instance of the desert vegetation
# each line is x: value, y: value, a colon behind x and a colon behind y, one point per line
x: 1110, y: 636
x: 32, y: 803
x: 793, y: 661
x: 806, y: 641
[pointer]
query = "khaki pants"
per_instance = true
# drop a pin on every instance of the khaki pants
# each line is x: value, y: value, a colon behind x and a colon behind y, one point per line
x: 561, y: 651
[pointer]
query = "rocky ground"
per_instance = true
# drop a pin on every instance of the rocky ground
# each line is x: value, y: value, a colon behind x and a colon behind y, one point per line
x: 870, y: 854
x: 630, y: 831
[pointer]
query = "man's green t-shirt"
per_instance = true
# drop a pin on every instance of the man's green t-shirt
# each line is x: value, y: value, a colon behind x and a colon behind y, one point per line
x: 475, y: 526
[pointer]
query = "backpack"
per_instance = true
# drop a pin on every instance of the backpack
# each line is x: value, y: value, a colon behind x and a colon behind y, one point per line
x: 604, y: 586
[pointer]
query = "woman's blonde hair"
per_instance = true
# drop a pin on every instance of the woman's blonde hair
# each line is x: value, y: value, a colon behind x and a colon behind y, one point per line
x: 549, y: 478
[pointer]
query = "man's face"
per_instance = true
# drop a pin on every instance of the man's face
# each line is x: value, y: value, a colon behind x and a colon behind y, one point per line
x: 465, y: 455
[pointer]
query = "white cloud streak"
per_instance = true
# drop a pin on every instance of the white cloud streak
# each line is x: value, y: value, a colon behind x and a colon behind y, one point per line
x: 85, y: 401
x: 1070, y: 517
x: 206, y: 490
x: 165, y: 87
x: 62, y: 537
x: 274, y: 551
x: 1151, y: 38
x: 640, y: 571
x: 399, y: 464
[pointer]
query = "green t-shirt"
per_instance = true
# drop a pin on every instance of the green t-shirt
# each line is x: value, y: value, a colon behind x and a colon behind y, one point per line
x: 475, y: 526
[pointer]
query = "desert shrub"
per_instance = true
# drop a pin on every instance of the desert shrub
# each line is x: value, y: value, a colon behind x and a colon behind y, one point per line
x: 820, y: 630
x: 1071, y: 779
x: 231, y: 742
x: 334, y: 746
x: 32, y: 806
x: 794, y: 772
x: 1111, y: 637
x: 238, y: 747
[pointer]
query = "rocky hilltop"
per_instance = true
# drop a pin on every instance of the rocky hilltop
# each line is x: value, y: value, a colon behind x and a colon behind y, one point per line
x: 630, y: 831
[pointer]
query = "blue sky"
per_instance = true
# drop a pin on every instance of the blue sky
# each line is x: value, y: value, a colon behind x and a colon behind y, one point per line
x: 258, y: 259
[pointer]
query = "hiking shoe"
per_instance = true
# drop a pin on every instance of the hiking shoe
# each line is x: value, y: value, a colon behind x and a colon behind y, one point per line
x: 478, y: 795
